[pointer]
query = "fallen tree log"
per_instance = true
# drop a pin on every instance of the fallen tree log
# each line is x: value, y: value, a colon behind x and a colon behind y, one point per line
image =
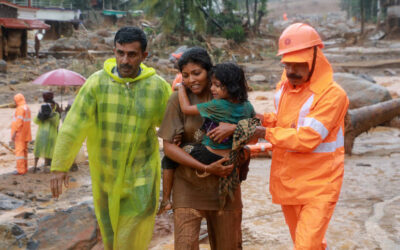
x: 8, y: 105
x: 363, y: 119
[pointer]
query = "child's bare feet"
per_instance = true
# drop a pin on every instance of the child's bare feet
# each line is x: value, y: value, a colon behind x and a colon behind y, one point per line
x: 164, y: 206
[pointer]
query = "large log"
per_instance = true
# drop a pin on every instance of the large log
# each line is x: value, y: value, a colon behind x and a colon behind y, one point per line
x: 363, y: 119
x: 8, y: 105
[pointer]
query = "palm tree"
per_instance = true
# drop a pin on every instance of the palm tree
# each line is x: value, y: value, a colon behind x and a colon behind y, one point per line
x: 177, y: 15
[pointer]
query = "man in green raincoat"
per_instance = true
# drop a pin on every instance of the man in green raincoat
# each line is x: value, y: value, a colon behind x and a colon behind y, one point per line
x: 117, y: 110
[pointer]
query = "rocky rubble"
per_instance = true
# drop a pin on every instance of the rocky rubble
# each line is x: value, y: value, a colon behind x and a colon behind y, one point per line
x: 334, y: 28
x: 360, y: 91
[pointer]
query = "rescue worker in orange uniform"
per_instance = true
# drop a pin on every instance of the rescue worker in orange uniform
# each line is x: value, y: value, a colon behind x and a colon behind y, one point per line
x: 307, y: 135
x: 178, y: 76
x: 21, y: 133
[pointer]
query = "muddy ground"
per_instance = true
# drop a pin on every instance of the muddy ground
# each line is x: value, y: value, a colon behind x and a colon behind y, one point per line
x: 367, y: 214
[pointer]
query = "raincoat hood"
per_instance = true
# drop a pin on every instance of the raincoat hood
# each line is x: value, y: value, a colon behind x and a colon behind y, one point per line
x: 19, y: 99
x: 323, y: 73
x: 111, y: 63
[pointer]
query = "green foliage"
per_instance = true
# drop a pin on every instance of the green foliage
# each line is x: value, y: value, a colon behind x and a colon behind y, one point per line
x: 217, y: 54
x: 170, y: 12
x: 81, y: 4
x: 206, y: 16
x: 353, y: 9
x: 236, y: 33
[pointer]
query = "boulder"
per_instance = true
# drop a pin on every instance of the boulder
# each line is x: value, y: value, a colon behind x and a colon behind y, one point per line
x: 96, y: 39
x: 74, y: 228
x: 9, y: 203
x: 360, y: 91
x: 258, y: 78
x: 104, y: 33
x: 71, y: 44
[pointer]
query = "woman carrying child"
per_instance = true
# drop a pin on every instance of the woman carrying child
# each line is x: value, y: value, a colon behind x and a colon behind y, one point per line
x: 195, y: 196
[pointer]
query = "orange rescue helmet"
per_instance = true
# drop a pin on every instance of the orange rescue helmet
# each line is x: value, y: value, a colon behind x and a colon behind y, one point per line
x: 298, y: 36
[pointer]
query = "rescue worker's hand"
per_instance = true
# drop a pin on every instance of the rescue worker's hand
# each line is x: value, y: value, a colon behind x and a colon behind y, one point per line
x: 221, y: 132
x: 13, y: 137
x: 259, y: 133
x: 216, y: 168
x: 56, y: 182
x: 176, y: 87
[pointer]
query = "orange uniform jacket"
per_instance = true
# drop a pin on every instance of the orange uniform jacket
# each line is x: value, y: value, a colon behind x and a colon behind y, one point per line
x: 307, y: 134
x: 22, y: 120
x: 178, y: 79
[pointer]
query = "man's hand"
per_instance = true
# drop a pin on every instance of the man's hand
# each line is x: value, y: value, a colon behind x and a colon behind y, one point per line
x: 56, y: 182
x: 13, y: 137
x: 259, y: 133
x: 221, y: 132
x: 216, y: 168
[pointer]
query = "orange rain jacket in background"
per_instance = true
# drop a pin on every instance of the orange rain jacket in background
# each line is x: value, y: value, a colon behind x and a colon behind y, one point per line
x: 21, y: 125
x: 307, y: 134
x: 178, y: 79
x: 22, y: 120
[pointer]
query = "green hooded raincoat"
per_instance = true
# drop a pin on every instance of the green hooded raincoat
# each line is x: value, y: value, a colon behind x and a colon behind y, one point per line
x: 46, y: 136
x: 119, y: 118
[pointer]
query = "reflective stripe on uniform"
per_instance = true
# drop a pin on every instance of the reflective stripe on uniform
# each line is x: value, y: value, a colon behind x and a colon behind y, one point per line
x: 319, y: 127
x: 277, y: 97
x: 330, y: 147
x: 21, y: 158
x: 305, y: 109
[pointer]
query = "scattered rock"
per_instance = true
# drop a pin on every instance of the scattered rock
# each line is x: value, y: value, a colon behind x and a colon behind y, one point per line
x: 19, y: 195
x: 75, y: 228
x: 9, y: 193
x: 258, y: 78
x: 3, y: 66
x: 363, y: 164
x: 24, y: 215
x: 104, y: 33
x: 389, y: 72
x: 377, y: 35
x: 16, y: 230
x: 14, y: 82
x: 9, y: 203
x: 11, y: 236
x: 360, y: 91
x: 367, y: 77
x: 32, y: 197
x: 42, y: 199
x: 260, y: 97
x: 71, y: 44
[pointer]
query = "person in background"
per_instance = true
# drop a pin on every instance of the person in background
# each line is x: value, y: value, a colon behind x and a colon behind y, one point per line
x: 48, y: 97
x: 38, y: 38
x: 21, y: 133
x: 178, y: 76
x: 48, y: 121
